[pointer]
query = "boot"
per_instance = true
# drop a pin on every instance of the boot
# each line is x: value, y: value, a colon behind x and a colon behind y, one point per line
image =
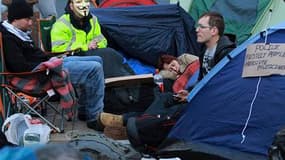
x: 111, y: 120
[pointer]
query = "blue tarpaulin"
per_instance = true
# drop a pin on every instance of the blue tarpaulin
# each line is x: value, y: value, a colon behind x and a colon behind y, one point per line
x: 146, y: 32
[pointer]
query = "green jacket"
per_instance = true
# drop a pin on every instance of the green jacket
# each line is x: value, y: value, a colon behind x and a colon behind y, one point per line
x: 64, y: 36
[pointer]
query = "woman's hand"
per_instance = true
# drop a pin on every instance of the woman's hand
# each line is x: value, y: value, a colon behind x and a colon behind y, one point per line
x: 181, y: 95
x: 93, y: 45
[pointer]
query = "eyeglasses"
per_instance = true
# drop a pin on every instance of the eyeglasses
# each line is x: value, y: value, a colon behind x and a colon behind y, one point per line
x: 202, y: 26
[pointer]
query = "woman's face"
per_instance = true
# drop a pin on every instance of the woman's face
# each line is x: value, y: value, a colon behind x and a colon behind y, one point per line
x: 173, y: 66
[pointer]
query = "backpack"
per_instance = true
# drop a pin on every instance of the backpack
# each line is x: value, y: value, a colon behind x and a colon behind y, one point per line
x: 123, y: 99
x: 277, y: 149
x: 98, y: 146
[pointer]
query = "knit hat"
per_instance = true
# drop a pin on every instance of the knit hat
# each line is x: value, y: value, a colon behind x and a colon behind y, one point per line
x: 19, y: 9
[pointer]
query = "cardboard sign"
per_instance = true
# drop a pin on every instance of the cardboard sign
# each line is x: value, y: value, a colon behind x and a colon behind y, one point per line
x: 264, y: 60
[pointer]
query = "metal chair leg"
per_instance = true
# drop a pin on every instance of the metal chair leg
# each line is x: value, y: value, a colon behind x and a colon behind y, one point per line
x: 34, y: 111
x: 62, y: 121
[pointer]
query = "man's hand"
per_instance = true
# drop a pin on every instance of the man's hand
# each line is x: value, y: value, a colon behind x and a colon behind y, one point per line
x: 181, y: 95
x: 93, y: 45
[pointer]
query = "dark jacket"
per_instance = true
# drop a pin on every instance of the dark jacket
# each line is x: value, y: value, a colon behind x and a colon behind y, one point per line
x: 20, y: 56
x: 224, y: 47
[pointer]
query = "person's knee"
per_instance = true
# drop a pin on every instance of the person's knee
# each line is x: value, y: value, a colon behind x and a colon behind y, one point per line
x: 99, y: 59
x: 110, y: 51
x: 96, y: 67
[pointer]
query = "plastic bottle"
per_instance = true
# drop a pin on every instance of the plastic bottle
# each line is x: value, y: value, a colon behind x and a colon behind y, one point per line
x: 157, y: 78
x: 20, y: 104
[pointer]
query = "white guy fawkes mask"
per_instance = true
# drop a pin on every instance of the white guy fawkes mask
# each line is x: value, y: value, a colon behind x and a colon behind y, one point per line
x: 81, y: 7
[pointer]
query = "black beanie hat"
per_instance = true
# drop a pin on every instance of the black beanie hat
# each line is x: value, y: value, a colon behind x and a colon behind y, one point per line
x: 19, y: 9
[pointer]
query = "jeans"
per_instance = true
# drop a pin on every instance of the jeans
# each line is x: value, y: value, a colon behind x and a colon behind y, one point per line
x: 86, y: 74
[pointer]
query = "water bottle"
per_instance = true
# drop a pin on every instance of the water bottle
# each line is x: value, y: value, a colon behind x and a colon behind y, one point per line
x: 19, y: 103
x: 157, y: 78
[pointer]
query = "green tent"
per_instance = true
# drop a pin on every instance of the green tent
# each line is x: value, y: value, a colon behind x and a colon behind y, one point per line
x: 243, y: 18
x: 272, y: 15
x: 185, y: 4
x: 240, y: 15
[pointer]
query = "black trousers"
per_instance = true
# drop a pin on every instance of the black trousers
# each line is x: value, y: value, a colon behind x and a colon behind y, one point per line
x: 114, y: 64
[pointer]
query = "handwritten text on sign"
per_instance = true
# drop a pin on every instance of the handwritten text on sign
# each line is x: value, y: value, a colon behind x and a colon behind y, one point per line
x: 264, y: 60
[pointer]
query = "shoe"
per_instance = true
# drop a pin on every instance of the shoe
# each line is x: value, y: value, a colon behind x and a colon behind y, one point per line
x: 111, y: 120
x: 81, y: 116
x: 95, y: 125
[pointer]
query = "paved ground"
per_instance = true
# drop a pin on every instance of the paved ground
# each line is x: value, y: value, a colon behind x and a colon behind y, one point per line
x: 75, y: 127
x: 70, y: 129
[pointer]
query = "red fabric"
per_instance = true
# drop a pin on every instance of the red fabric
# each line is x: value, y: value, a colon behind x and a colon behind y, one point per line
x: 125, y: 3
x: 2, y: 110
x: 181, y: 82
x: 40, y: 83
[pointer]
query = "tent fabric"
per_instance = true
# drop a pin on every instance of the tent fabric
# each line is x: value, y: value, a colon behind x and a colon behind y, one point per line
x: 18, y: 153
x: 125, y: 3
x: 146, y: 32
x: 223, y: 117
x: 240, y: 15
x: 139, y: 67
x: 270, y: 16
x: 185, y: 4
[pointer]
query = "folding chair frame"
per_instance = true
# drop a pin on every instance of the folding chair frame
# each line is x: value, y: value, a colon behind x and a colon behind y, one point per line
x: 12, y: 91
x: 44, y: 26
x: 42, y: 101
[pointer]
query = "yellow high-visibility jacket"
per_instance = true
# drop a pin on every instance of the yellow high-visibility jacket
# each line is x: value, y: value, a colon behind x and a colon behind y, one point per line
x: 64, y: 36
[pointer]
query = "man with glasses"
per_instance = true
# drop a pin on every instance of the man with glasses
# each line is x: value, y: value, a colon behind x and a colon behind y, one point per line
x: 210, y: 32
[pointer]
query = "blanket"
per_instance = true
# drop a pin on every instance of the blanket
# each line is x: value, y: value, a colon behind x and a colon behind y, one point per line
x: 51, y: 77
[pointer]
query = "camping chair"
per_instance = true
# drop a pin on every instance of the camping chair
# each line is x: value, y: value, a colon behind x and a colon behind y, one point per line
x: 44, y: 28
x: 42, y: 95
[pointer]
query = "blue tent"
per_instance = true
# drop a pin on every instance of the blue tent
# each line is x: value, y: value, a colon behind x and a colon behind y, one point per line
x: 145, y: 32
x: 229, y: 116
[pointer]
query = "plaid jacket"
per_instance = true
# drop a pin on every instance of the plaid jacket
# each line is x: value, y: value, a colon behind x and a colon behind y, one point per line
x: 40, y: 82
